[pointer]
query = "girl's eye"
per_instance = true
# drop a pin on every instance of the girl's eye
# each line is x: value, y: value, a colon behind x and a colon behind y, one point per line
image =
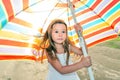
x: 63, y: 31
x: 56, y: 31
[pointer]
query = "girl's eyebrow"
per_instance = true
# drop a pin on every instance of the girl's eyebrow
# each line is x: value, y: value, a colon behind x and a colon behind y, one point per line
x: 58, y: 29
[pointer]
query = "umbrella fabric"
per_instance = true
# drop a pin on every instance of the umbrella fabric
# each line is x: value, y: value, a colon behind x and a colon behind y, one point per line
x: 23, y: 22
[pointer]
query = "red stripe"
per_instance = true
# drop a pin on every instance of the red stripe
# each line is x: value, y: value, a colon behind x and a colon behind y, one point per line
x: 98, y: 32
x: 101, y: 40
x: 115, y: 22
x: 9, y: 9
x: 108, y: 7
x: 16, y: 43
x: 95, y: 4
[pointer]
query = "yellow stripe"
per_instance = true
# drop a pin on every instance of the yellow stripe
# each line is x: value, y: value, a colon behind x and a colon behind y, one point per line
x: 73, y: 36
x: 81, y: 3
x: 8, y: 34
x: 18, y: 37
x: 94, y: 28
x: 113, y: 17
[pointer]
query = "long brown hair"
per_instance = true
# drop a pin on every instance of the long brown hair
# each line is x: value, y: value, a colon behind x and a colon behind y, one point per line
x: 48, y: 44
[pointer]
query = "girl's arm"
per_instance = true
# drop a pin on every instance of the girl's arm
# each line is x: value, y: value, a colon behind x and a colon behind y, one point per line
x: 76, y: 50
x: 85, y: 62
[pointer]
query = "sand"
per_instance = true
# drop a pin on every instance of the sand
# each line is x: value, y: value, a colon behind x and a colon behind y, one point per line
x: 105, y: 65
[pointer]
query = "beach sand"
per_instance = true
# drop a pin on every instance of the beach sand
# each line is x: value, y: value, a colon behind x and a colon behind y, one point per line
x: 105, y: 65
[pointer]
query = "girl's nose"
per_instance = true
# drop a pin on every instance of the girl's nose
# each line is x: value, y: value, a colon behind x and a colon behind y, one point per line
x: 60, y: 34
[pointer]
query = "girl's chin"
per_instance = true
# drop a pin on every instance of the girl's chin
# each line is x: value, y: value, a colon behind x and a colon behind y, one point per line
x: 59, y: 43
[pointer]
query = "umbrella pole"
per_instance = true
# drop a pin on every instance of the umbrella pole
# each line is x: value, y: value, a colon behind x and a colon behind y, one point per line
x: 81, y: 41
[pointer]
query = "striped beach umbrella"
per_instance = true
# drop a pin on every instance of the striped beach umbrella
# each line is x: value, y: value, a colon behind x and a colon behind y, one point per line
x: 23, y: 22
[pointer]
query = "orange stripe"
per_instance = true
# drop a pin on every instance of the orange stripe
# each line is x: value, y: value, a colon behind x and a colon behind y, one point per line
x: 98, y: 41
x: 89, y: 19
x: 108, y: 7
x: 9, y: 9
x: 115, y: 22
x: 75, y: 41
x: 22, y: 22
x: 15, y: 57
x: 40, y: 30
x: 62, y: 5
x: 16, y: 43
x: 98, y: 32
x: 25, y: 4
x: 70, y: 28
x: 101, y: 40
x: 80, y: 13
x: 66, y: 4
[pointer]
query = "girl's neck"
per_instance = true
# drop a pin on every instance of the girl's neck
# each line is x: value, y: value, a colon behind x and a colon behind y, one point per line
x: 59, y: 45
x: 59, y: 48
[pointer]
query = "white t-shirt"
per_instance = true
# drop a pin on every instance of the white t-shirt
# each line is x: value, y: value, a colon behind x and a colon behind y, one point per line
x: 55, y: 75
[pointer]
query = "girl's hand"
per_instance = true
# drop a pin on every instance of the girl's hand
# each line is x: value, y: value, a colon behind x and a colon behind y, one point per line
x: 86, y: 61
x: 78, y: 27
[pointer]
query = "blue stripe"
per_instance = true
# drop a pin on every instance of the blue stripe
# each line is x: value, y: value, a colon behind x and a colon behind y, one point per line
x: 3, y: 19
x: 92, y: 23
x: 85, y: 6
x: 112, y: 11
x: 71, y: 33
x: 21, y: 29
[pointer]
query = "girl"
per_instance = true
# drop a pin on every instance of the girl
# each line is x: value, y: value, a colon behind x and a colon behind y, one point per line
x: 57, y: 48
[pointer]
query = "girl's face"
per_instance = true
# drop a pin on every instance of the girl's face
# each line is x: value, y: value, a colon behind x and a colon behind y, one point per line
x: 59, y: 33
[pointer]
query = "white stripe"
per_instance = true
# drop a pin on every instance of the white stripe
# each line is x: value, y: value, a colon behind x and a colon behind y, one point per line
x: 101, y: 6
x: 99, y: 36
x: 9, y: 50
x: 17, y: 5
x: 85, y: 16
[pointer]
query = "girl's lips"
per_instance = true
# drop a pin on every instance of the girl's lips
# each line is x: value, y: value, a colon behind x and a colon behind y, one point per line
x: 59, y: 39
